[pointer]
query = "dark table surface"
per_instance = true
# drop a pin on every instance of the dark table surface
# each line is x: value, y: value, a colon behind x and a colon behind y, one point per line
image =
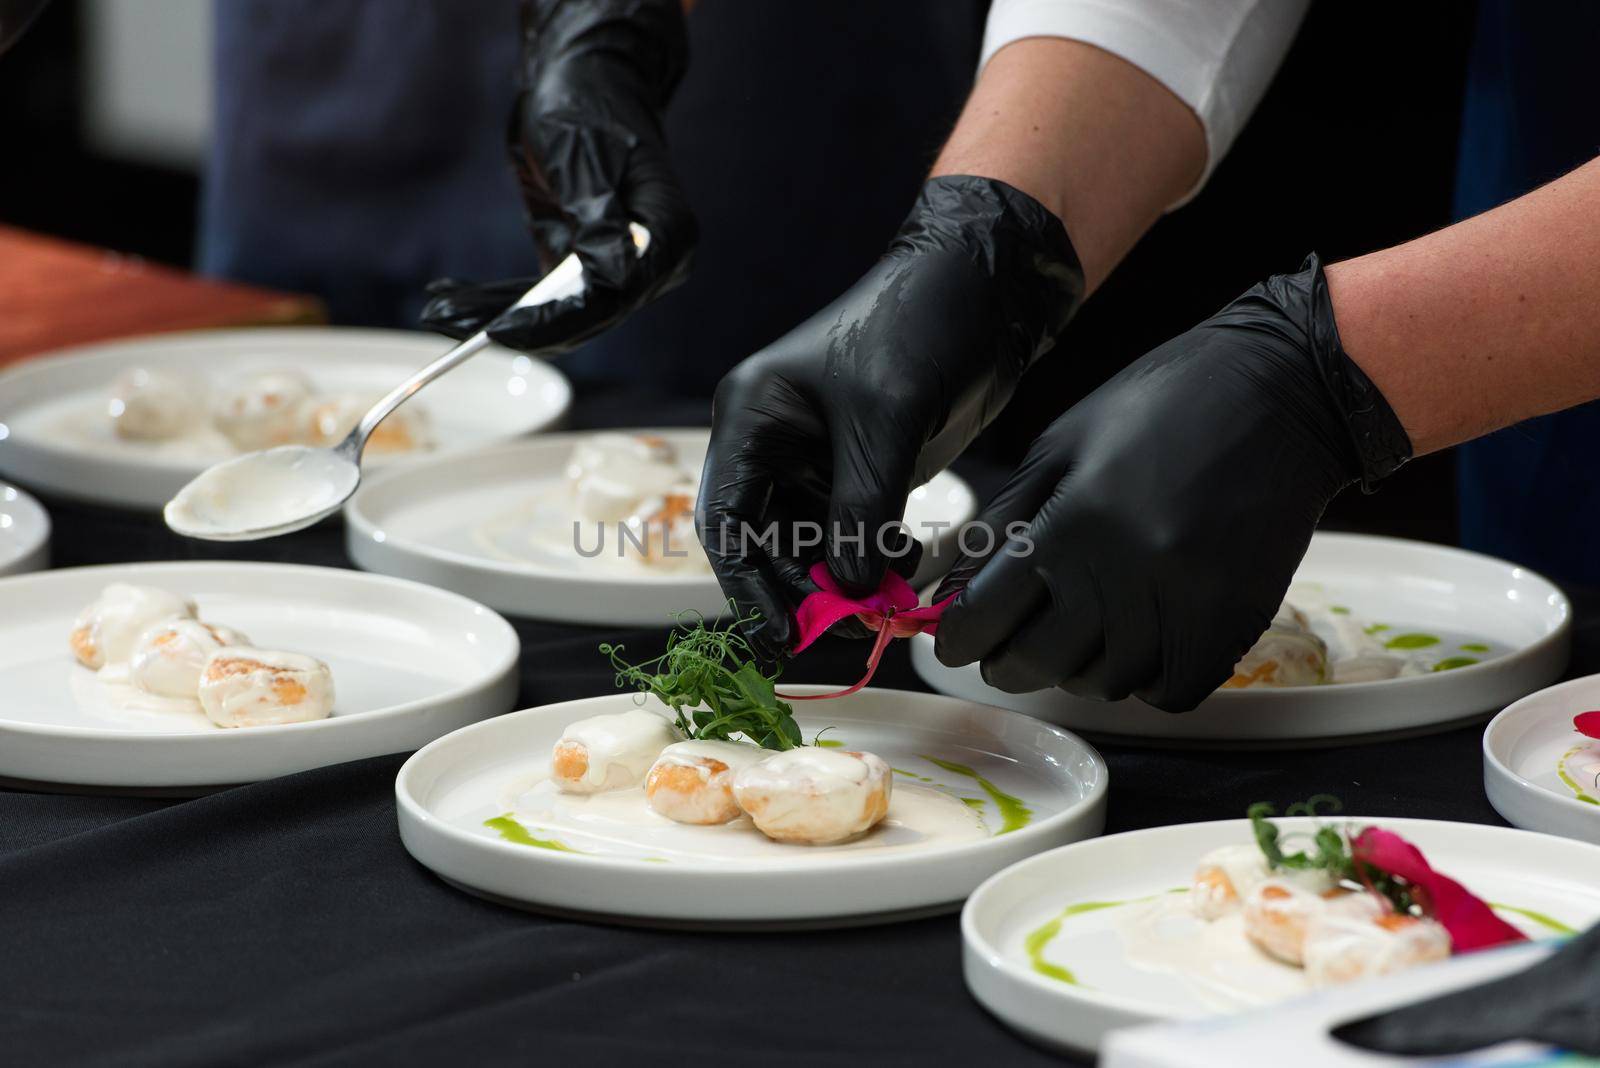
x: 282, y: 922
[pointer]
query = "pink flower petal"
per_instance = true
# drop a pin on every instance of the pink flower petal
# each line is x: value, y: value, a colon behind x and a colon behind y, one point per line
x: 894, y: 600
x: 1469, y: 919
x: 1587, y: 723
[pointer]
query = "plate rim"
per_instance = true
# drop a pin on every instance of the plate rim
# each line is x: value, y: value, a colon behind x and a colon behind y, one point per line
x: 1526, y: 787
x: 992, y: 956
x: 33, y: 554
x: 507, y: 662
x: 409, y: 806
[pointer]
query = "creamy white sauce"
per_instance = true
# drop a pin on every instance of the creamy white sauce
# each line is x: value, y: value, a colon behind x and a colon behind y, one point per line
x: 621, y: 822
x: 1214, y: 961
x: 168, y: 657
x: 108, y: 627
x: 285, y: 487
x: 620, y: 747
x: 108, y: 695
x: 695, y: 751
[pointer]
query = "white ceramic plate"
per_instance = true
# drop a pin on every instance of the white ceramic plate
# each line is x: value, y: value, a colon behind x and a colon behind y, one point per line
x: 666, y: 874
x: 24, y: 532
x: 464, y: 524
x: 1538, y: 771
x: 1006, y: 930
x: 410, y: 663
x: 1464, y: 597
x: 54, y: 433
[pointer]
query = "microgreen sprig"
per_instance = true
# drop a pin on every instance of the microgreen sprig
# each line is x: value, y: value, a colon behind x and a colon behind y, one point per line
x: 712, y: 680
x: 1330, y: 851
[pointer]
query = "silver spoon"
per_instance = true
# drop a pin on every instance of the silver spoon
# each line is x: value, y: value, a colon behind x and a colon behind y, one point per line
x: 277, y: 491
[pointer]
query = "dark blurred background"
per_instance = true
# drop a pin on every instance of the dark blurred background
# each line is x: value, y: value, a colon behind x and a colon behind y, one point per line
x: 802, y: 132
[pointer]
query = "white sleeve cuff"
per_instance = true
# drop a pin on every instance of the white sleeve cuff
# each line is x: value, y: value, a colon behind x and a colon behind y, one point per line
x: 1217, y: 56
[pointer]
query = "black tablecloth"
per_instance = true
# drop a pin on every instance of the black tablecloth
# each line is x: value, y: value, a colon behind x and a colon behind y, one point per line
x: 283, y: 921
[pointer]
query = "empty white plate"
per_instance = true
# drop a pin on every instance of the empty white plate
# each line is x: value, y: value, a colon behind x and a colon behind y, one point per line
x: 975, y: 789
x: 1538, y: 771
x: 1513, y: 622
x: 410, y: 663
x: 55, y: 434
x: 24, y: 532
x: 1046, y: 943
x: 467, y: 523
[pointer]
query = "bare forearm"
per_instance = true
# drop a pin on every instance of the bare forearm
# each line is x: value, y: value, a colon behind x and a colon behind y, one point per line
x: 1090, y: 136
x: 1486, y: 323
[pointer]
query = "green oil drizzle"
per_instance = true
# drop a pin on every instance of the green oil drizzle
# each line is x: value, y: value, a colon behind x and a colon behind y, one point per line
x: 911, y: 774
x: 1547, y: 922
x: 973, y: 802
x: 1339, y: 610
x: 1411, y: 641
x: 1450, y: 663
x: 1571, y: 783
x: 512, y: 831
x: 1375, y: 628
x: 1014, y: 815
x: 1474, y: 647
x: 827, y: 743
x: 1035, y: 941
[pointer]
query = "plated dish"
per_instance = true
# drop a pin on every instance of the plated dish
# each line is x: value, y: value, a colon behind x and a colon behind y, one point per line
x: 187, y: 676
x: 581, y: 528
x: 1377, y: 635
x: 1541, y: 761
x: 24, y: 532
x: 130, y: 422
x: 1195, y: 920
x: 942, y: 793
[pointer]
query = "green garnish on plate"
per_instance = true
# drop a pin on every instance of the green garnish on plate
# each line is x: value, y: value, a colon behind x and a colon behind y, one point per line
x: 713, y: 682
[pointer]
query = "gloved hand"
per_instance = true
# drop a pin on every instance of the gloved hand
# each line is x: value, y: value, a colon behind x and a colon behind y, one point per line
x: 837, y: 421
x: 1165, y: 513
x: 1552, y: 1001
x: 587, y: 144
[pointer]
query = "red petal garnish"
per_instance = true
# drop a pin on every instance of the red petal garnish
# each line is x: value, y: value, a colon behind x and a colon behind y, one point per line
x: 1587, y: 723
x: 894, y: 611
x: 1470, y: 921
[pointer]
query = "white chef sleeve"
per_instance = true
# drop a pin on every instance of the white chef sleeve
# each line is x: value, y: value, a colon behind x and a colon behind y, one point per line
x: 1217, y: 56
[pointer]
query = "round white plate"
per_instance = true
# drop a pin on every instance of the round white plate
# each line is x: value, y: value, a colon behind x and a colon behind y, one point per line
x: 410, y: 663
x: 666, y: 874
x: 54, y: 433
x: 459, y: 523
x: 1464, y: 597
x: 24, y: 532
x: 1095, y: 988
x: 1538, y: 771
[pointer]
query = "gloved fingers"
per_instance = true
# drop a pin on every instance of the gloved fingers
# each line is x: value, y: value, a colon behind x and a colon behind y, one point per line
x: 1052, y: 645
x: 652, y: 197
x: 1130, y: 649
x: 1003, y: 594
x: 460, y: 309
x: 793, y: 567
x: 872, y: 470
x: 554, y: 327
x: 1191, y: 666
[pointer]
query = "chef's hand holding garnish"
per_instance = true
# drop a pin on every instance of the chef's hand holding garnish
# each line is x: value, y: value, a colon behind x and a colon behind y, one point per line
x: 836, y: 422
x: 587, y: 143
x: 1162, y: 517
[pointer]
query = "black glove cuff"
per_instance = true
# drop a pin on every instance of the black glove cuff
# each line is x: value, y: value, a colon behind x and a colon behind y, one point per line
x: 1381, y: 443
x: 1015, y: 237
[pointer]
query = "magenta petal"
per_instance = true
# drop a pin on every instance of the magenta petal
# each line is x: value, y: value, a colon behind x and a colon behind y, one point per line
x: 1587, y: 723
x: 1469, y: 919
x: 818, y: 612
x: 830, y: 604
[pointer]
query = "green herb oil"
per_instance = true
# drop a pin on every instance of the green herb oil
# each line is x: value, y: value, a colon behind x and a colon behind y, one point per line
x: 1411, y: 641
x: 1014, y: 815
x: 512, y: 831
x: 1450, y: 663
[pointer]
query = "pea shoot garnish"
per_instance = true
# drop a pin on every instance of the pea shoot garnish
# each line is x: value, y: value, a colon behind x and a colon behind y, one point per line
x: 714, y: 684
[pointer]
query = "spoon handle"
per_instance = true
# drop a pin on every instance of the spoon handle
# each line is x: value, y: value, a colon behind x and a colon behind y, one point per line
x: 563, y: 280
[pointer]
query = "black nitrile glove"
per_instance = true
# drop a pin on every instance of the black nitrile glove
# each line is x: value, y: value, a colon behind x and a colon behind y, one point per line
x: 1167, y: 511
x: 1556, y: 1001
x: 587, y: 143
x: 837, y: 421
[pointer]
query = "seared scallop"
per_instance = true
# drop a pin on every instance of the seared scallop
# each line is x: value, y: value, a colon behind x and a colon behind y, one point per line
x: 153, y: 405
x: 610, y: 752
x: 692, y: 782
x: 106, y: 630
x: 168, y: 657
x: 815, y: 796
x: 1360, y: 936
x: 263, y: 410
x: 242, y: 686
